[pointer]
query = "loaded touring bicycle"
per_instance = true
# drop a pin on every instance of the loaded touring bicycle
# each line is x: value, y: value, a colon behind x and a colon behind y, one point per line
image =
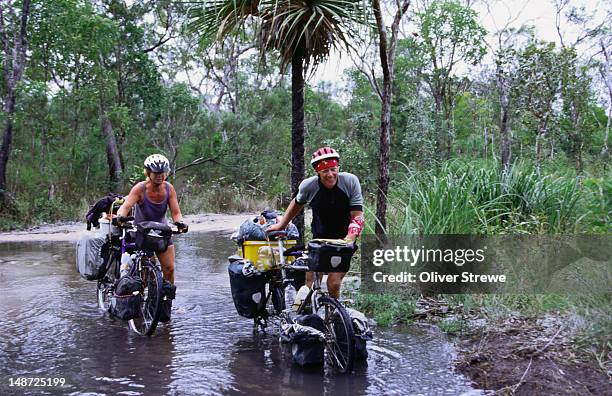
x: 121, y: 259
x: 264, y: 278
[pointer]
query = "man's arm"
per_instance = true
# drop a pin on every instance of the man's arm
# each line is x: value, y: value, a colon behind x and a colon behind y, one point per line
x: 355, y: 226
x: 292, y: 211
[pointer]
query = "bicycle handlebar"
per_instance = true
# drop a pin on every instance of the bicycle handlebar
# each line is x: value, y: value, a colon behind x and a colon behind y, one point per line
x: 128, y: 223
x: 124, y: 219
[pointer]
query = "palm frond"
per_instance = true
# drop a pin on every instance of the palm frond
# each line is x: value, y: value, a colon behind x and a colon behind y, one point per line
x: 310, y: 28
x: 214, y: 19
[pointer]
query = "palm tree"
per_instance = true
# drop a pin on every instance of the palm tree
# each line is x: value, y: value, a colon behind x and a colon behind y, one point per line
x: 302, y: 31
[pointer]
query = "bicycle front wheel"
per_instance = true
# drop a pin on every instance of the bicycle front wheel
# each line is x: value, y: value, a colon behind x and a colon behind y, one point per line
x: 150, y: 307
x: 339, y: 334
x: 104, y: 294
x: 106, y: 287
x: 278, y: 298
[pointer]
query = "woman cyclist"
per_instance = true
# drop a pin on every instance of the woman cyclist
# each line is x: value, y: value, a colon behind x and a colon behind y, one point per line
x: 150, y: 200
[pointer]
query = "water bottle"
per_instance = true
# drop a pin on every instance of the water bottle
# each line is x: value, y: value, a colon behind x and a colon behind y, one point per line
x: 126, y: 263
x: 289, y: 296
x: 300, y: 297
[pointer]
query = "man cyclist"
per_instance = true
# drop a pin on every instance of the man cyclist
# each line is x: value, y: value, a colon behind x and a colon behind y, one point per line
x: 337, y: 207
x: 151, y: 200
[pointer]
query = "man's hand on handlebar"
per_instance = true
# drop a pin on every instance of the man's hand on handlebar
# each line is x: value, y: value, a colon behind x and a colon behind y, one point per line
x: 182, y: 227
x: 275, y: 227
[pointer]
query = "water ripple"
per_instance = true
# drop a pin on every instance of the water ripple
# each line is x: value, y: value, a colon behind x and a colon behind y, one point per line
x: 52, y: 328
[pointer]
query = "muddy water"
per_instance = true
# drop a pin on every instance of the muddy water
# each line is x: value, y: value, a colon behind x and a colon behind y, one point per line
x: 50, y: 327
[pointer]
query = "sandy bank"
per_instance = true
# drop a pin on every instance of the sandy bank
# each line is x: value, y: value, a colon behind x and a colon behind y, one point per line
x: 73, y: 231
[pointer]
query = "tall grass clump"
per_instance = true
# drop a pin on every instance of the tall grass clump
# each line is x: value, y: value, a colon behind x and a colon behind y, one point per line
x: 460, y: 198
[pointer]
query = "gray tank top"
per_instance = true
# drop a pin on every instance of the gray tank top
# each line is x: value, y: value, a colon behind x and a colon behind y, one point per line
x: 151, y: 211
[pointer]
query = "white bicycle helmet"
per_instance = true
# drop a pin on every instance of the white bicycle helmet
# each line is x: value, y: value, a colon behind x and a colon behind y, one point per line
x: 157, y: 163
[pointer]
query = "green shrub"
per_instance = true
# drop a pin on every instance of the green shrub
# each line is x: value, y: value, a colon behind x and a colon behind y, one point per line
x: 386, y: 309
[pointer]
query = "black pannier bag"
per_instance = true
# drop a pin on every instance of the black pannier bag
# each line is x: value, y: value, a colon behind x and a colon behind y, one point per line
x: 152, y: 236
x: 92, y: 256
x: 248, y: 292
x: 307, y: 339
x: 330, y: 255
x: 125, y: 304
x: 363, y: 333
x: 168, y: 294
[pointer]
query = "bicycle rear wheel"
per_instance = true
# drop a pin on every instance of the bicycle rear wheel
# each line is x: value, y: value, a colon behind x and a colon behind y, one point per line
x: 150, y: 307
x: 339, y: 334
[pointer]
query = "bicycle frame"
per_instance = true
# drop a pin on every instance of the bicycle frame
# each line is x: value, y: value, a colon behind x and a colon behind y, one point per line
x: 315, y: 291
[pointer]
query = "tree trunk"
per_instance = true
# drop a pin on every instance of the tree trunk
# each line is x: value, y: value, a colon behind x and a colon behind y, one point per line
x: 449, y: 123
x: 5, y: 151
x: 538, y: 148
x: 297, y: 131
x: 504, y: 104
x: 506, y: 149
x: 384, y: 152
x: 386, y: 50
x: 439, y: 124
x: 486, y: 142
x: 607, y: 77
x: 112, y: 153
x: 578, y: 143
x: 13, y: 67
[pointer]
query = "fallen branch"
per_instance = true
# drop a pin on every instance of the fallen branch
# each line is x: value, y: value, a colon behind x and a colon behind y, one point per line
x: 549, y: 342
x: 515, y: 387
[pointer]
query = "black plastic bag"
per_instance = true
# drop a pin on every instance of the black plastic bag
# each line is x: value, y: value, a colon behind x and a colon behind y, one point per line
x: 363, y: 334
x: 95, y: 211
x: 125, y: 304
x: 253, y: 230
x: 306, y: 337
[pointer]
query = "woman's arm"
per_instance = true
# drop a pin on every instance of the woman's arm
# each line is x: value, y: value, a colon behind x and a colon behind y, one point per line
x: 175, y: 210
x: 132, y: 199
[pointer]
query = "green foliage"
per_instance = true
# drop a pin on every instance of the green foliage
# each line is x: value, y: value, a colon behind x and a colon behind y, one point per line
x: 452, y: 325
x: 386, y: 309
x: 450, y: 25
x: 86, y: 60
x: 459, y: 198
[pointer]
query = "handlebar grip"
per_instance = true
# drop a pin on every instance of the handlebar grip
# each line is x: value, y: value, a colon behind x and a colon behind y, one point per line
x: 299, y: 267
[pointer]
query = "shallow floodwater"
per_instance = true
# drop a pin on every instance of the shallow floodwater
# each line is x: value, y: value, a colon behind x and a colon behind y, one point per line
x: 51, y: 327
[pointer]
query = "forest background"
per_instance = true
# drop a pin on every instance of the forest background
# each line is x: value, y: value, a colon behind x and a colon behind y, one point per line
x: 454, y: 129
x: 90, y: 88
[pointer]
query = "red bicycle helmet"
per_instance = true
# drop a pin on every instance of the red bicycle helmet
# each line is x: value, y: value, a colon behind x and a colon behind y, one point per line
x: 325, y: 153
